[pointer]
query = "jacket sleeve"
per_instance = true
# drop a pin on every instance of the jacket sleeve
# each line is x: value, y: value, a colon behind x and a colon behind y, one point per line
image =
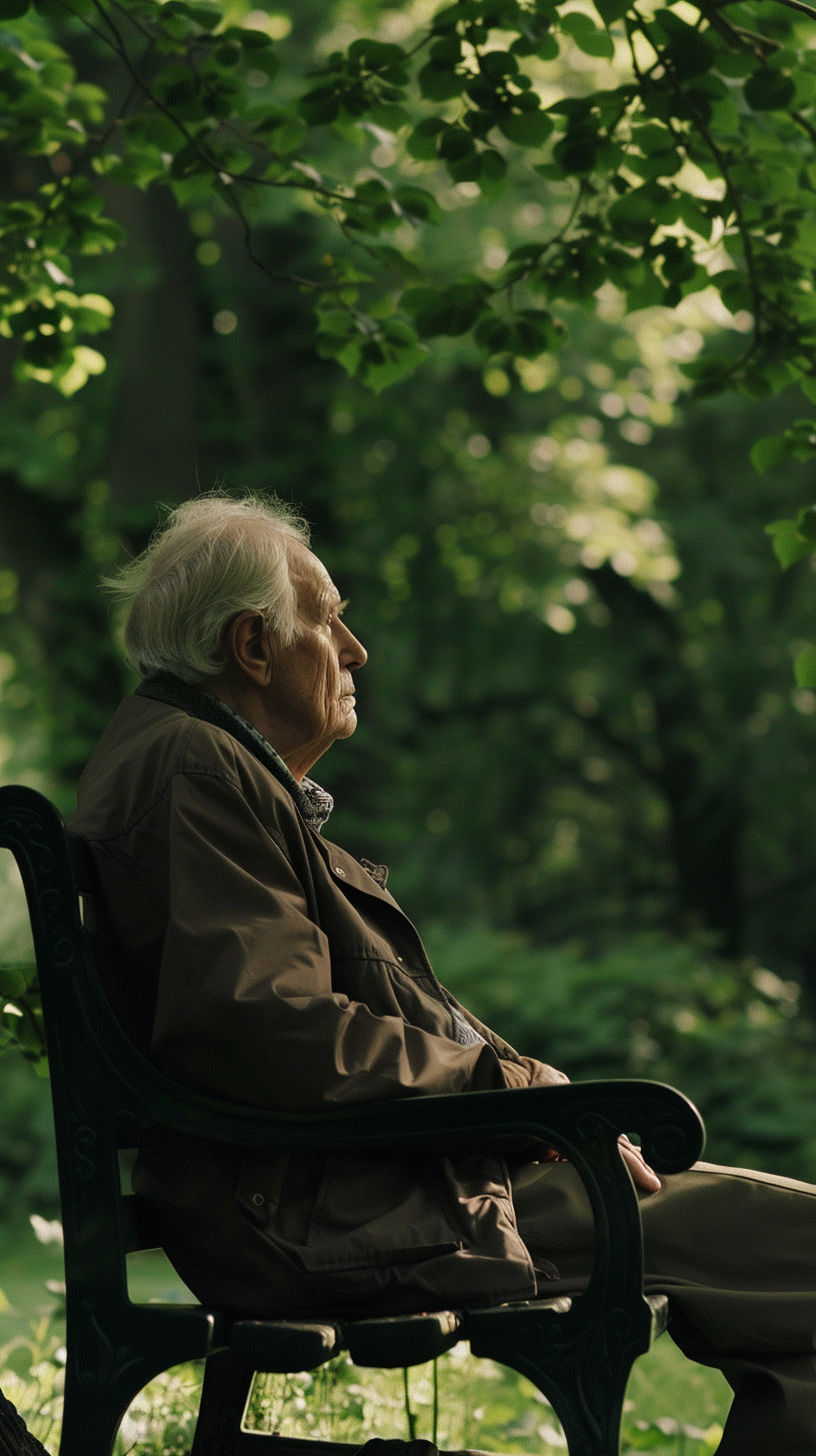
x: 517, y: 1071
x: 245, y: 1002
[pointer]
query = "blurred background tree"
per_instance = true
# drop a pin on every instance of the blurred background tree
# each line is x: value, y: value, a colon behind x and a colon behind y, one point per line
x: 582, y: 750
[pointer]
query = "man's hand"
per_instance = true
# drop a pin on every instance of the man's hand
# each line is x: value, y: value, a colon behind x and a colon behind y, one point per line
x: 642, y: 1175
x: 530, y: 1073
x: 543, y: 1075
x: 527, y: 1072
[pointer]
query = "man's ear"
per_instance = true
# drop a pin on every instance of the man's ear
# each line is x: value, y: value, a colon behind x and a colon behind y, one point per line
x: 248, y: 646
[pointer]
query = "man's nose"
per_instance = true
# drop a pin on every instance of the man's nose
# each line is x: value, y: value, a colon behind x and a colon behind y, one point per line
x: 352, y: 652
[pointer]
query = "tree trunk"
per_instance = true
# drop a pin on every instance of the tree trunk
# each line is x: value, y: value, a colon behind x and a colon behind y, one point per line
x: 156, y: 443
x: 701, y: 767
x: 15, y: 1439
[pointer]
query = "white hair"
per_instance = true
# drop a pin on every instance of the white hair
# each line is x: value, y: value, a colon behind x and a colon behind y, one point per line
x: 212, y: 558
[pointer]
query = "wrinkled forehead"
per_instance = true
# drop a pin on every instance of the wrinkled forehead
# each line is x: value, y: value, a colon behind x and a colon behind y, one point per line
x: 314, y: 588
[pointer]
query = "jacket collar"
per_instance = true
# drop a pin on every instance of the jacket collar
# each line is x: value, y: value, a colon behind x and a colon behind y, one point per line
x: 315, y: 803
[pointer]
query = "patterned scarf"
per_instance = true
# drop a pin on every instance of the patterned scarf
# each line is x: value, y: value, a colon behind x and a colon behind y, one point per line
x: 314, y: 803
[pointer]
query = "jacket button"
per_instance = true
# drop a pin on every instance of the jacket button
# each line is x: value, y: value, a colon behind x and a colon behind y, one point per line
x: 399, y: 958
x: 338, y: 871
x: 257, y: 1199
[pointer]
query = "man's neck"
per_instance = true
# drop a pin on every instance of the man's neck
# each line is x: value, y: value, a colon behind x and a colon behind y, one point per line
x: 245, y: 700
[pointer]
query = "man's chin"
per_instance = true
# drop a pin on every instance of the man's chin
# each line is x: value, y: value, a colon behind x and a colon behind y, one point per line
x: 343, y: 722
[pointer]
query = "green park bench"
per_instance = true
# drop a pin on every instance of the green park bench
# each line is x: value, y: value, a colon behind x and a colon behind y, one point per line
x: 578, y: 1351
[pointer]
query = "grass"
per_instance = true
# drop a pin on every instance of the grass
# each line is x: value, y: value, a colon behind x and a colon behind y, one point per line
x: 673, y: 1407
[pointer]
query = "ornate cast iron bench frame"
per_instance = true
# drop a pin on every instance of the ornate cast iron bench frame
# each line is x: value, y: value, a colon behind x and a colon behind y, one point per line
x: 578, y: 1352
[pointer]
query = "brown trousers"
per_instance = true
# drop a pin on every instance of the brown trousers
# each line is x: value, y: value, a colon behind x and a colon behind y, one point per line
x: 736, y: 1253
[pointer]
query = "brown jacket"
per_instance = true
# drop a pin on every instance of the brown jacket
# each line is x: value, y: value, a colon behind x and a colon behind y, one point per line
x: 261, y: 962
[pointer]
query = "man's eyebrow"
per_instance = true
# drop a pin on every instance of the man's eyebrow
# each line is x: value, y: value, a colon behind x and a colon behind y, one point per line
x: 331, y: 601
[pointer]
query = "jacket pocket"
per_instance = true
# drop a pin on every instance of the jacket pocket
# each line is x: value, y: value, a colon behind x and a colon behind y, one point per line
x: 375, y: 1212
x: 325, y: 1262
x: 258, y: 1187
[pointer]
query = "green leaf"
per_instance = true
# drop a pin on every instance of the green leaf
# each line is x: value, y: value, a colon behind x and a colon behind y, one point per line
x: 658, y: 164
x: 653, y: 138
x: 288, y: 136
x: 798, y: 442
x: 321, y: 106
x: 493, y: 171
x: 207, y: 16
x: 679, y: 264
x: 693, y: 216
x: 610, y: 10
x: 448, y: 19
x: 498, y: 64
x: 806, y: 523
x: 526, y: 335
x: 392, y: 118
x: 587, y: 36
x: 529, y: 128
x: 768, y: 452
x: 12, y: 981
x: 189, y: 162
x: 393, y: 258
x: 495, y: 334
x: 377, y: 55
x: 447, y: 51
x: 13, y: 9
x: 450, y: 310
x: 423, y: 139
x: 416, y: 202
x: 768, y: 90
x: 635, y: 215
x: 440, y: 82
x: 804, y: 667
x: 690, y: 53
x: 547, y: 48
x: 576, y: 153
x: 736, y: 64
x: 788, y: 544
x: 402, y: 362
x: 467, y: 168
x: 346, y: 351
x: 455, y: 143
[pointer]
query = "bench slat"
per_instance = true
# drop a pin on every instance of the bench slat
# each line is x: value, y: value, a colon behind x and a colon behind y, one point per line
x: 399, y: 1340
x: 283, y: 1347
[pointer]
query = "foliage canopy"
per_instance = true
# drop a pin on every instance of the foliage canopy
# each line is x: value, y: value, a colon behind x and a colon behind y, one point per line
x: 696, y: 161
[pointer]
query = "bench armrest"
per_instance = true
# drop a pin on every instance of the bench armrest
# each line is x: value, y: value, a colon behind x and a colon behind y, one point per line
x: 568, y: 1117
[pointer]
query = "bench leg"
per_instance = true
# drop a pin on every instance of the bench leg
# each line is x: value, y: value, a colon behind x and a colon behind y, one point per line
x: 92, y: 1413
x: 223, y: 1397
x: 227, y: 1380
x: 582, y: 1366
x: 114, y: 1351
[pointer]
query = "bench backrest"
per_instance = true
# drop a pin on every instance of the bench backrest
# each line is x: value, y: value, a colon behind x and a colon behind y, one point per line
x: 96, y: 1112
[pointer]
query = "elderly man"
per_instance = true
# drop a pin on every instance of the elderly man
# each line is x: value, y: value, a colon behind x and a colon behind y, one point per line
x: 259, y: 961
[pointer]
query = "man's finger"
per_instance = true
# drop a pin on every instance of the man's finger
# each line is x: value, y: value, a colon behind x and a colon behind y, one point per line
x: 642, y: 1175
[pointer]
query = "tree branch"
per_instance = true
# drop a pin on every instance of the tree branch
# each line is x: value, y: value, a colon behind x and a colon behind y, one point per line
x: 805, y: 124
x: 117, y: 45
x: 789, y: 4
x: 735, y: 34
